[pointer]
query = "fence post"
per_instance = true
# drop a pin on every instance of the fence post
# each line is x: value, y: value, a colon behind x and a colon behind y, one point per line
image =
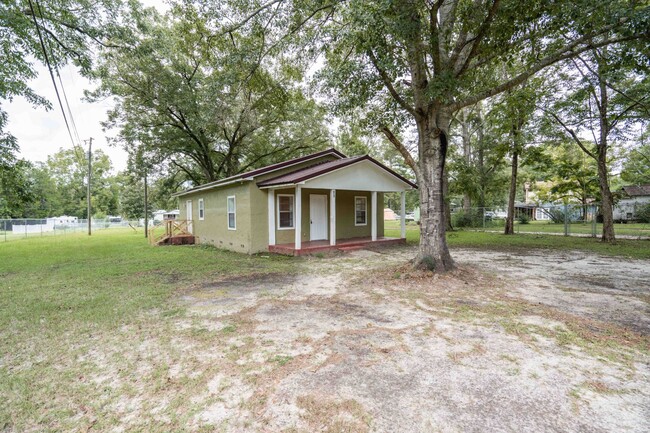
x: 483, y: 211
x: 4, y: 226
x: 566, y: 220
x: 593, y: 220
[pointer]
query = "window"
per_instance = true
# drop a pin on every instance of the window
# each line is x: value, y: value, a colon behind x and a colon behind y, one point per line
x: 360, y: 211
x: 285, y: 211
x: 201, y: 209
x: 232, y: 213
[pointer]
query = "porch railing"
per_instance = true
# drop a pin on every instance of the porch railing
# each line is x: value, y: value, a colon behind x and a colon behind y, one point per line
x: 169, y: 229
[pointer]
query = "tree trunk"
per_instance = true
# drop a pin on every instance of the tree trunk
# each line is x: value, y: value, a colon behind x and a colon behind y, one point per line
x: 510, y: 220
x: 445, y: 194
x: 434, y: 253
x: 603, y: 181
x: 607, y: 202
x: 481, y: 160
x: 467, y: 201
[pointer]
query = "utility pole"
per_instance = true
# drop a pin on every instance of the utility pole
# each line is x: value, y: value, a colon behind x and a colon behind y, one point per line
x: 90, y: 166
x: 146, y: 206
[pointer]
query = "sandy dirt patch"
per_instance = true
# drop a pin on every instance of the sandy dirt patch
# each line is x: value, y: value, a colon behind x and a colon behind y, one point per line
x: 544, y: 342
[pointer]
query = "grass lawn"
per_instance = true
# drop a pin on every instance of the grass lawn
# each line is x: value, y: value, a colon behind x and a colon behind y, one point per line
x: 639, y: 249
x: 60, y: 296
x: 107, y: 332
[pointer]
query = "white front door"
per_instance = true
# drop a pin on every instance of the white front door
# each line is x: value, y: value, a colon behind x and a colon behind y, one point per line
x: 188, y: 212
x: 318, y: 217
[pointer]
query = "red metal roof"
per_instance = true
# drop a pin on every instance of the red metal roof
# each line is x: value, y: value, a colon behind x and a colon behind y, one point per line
x: 259, y: 171
x: 323, y: 168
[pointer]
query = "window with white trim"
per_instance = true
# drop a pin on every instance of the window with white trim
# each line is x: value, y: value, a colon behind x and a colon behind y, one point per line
x: 232, y: 213
x: 285, y: 211
x: 360, y: 210
x: 201, y: 209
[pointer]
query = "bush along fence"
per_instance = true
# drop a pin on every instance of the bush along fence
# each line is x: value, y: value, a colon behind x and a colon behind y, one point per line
x: 21, y: 228
x: 631, y: 220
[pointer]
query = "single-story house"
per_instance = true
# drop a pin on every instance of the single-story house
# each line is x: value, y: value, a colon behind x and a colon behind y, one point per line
x: 634, y: 196
x: 316, y: 202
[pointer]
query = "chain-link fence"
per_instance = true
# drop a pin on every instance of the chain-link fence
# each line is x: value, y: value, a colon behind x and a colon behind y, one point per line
x: 21, y: 228
x: 631, y: 219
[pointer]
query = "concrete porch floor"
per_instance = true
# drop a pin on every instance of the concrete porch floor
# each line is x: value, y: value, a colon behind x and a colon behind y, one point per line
x: 311, y: 247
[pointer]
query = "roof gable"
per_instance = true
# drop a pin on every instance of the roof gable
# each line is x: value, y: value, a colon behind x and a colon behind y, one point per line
x: 375, y: 172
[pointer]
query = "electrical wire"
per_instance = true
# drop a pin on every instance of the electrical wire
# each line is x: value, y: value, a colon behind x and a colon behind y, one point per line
x: 76, y: 146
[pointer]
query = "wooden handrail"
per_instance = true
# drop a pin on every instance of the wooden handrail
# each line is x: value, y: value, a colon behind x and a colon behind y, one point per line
x: 172, y: 228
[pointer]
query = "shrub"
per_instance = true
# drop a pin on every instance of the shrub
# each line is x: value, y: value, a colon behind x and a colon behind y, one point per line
x: 643, y: 213
x: 523, y: 218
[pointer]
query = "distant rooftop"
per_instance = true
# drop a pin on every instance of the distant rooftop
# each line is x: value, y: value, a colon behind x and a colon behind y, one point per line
x: 636, y: 190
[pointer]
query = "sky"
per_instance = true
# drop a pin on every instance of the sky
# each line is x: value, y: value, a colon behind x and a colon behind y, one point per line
x: 41, y: 132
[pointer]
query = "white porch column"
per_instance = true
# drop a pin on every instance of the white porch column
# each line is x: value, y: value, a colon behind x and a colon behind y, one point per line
x: 333, y: 217
x: 373, y: 215
x: 298, y: 216
x: 403, y: 215
x: 271, y: 206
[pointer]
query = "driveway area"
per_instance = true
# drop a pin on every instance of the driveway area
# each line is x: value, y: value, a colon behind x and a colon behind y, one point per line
x: 509, y: 342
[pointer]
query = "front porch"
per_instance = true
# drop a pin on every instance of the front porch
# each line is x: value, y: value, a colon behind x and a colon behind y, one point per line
x: 311, y: 247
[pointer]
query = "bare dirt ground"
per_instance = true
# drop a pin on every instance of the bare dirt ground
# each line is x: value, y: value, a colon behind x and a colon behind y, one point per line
x: 542, y: 342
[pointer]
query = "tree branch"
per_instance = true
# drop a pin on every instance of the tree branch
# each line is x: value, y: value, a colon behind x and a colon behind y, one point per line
x: 389, y: 85
x: 572, y: 133
x: 567, y: 52
x: 408, y: 158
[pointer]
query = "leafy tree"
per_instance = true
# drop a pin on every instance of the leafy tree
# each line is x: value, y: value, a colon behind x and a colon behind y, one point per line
x: 572, y: 176
x: 608, y: 95
x: 636, y: 165
x: 50, y: 31
x: 476, y: 159
x: 421, y: 62
x: 208, y: 104
x: 68, y: 172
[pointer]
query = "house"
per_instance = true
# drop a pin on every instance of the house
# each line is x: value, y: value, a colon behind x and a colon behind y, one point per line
x: 634, y: 196
x: 317, y: 202
x: 389, y: 214
x: 171, y: 215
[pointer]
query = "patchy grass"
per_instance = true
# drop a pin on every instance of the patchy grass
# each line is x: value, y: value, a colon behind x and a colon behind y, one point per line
x: 638, y: 249
x: 70, y: 304
x: 454, y: 296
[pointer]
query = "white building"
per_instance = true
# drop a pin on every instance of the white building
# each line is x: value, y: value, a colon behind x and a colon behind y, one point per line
x: 635, y: 197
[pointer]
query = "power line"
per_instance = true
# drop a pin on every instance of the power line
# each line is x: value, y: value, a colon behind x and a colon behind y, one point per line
x: 78, y: 150
x: 49, y: 67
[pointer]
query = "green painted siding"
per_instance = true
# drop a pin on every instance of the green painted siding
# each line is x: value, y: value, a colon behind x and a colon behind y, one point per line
x: 214, y: 228
x: 251, y: 234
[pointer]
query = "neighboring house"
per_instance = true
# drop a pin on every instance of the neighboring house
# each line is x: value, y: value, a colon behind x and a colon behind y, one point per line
x: 634, y: 196
x: 158, y: 215
x: 171, y: 215
x: 389, y: 214
x: 534, y: 212
x: 163, y: 215
x: 320, y: 201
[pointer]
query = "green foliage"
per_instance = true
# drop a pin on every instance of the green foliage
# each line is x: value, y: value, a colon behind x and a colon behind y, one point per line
x: 207, y: 103
x: 643, y: 213
x: 522, y: 218
x: 636, y: 163
x: 572, y: 176
x: 71, y: 30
